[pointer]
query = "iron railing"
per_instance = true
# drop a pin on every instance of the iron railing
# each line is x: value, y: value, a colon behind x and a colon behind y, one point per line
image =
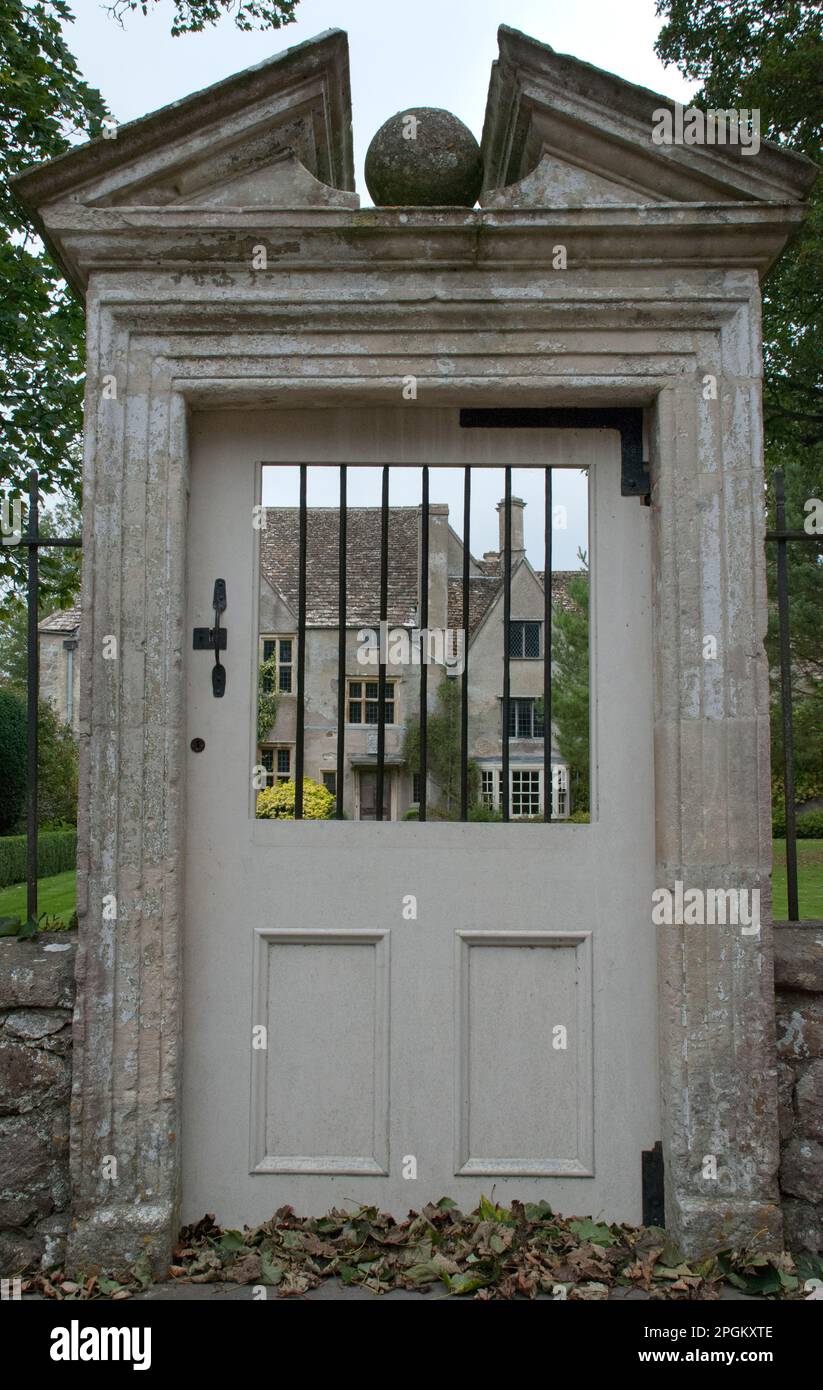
x: 383, y: 609
x: 781, y: 536
x: 34, y: 543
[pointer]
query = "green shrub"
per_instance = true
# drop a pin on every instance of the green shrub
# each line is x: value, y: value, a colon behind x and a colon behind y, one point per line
x: 481, y: 812
x: 580, y: 817
x: 56, y: 852
x: 413, y: 813
x: 12, y: 760
x: 277, y: 803
x: 809, y: 826
x: 56, y: 769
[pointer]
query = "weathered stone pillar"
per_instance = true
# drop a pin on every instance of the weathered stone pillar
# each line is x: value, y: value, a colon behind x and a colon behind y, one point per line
x: 718, y: 1078
x: 125, y: 1100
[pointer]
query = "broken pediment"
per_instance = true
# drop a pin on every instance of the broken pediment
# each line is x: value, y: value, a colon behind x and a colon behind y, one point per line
x: 561, y: 133
x: 276, y: 135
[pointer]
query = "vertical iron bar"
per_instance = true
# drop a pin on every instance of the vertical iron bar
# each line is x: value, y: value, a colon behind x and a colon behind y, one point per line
x: 507, y: 614
x: 32, y: 698
x: 424, y: 626
x: 341, y: 642
x: 384, y: 613
x: 301, y: 652
x: 464, y: 701
x: 547, y: 654
x: 786, y: 698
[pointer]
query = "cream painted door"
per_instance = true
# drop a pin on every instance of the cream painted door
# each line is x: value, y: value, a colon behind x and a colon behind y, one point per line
x: 411, y: 1058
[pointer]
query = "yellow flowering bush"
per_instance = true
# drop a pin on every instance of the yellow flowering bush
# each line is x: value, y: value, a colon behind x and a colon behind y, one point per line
x: 277, y: 803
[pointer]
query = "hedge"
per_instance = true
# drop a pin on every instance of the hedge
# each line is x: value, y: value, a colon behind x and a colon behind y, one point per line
x: 56, y: 852
x: 809, y: 826
x: 12, y: 759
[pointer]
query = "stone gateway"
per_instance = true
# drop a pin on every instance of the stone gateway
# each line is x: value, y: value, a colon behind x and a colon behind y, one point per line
x: 250, y: 314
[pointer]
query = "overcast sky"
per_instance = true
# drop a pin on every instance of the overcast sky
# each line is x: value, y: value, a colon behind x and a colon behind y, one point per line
x: 403, y: 53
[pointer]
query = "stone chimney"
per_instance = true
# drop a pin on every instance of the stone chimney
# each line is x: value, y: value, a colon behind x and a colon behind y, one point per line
x: 518, y: 545
x: 438, y: 562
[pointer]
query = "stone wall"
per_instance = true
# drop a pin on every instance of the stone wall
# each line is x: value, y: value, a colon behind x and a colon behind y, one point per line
x: 36, y: 1002
x: 798, y: 978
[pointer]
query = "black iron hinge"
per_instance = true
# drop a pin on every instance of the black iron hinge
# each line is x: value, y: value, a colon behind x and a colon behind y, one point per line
x: 215, y: 639
x: 654, y: 1206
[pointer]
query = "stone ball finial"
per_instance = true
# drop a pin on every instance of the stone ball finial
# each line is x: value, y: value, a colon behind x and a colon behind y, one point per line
x: 424, y: 157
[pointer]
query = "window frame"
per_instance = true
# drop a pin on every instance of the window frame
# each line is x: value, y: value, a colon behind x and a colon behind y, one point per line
x: 275, y: 776
x: 392, y: 683
x: 534, y: 795
x: 521, y: 624
x: 282, y: 666
x: 516, y: 703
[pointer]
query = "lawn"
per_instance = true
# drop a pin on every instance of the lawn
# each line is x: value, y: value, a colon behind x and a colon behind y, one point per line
x: 809, y: 879
x: 56, y: 895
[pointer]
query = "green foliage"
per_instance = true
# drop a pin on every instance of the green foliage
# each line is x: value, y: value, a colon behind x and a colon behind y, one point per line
x: 56, y: 769
x: 481, y: 812
x: 570, y: 687
x: 443, y: 752
x: 12, y: 759
x: 43, y: 101
x: 56, y: 854
x: 809, y: 826
x: 44, y: 106
x: 268, y: 697
x: 191, y: 16
x: 277, y: 803
x: 59, y: 588
x: 56, y: 765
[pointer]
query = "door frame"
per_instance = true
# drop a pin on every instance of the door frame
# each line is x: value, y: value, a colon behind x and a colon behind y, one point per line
x: 711, y: 724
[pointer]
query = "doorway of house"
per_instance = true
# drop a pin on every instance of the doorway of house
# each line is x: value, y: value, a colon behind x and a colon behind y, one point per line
x: 395, y: 1011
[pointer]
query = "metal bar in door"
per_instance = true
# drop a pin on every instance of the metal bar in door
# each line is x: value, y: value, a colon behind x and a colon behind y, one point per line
x: 507, y: 617
x: 341, y: 644
x: 547, y: 652
x: 464, y: 700
x: 301, y: 652
x: 384, y: 613
x: 424, y: 625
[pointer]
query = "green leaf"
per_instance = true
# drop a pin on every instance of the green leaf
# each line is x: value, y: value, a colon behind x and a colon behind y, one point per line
x: 466, y: 1283
x: 427, y: 1273
x: 142, y: 1270
x: 107, y: 1286
x: 270, y: 1271
x: 231, y: 1241
x: 9, y: 926
x: 538, y: 1211
x: 595, y: 1232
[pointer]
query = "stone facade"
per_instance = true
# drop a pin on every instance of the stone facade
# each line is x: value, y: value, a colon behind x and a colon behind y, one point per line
x: 483, y: 653
x: 36, y: 1001
x: 59, y: 638
x: 798, y: 977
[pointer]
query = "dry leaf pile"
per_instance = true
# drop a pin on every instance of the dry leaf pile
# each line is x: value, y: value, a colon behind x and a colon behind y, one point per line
x: 524, y: 1251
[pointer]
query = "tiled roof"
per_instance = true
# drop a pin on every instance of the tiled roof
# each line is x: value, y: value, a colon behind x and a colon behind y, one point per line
x: 561, y: 598
x: 279, y: 545
x: 63, y: 620
x: 482, y: 593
